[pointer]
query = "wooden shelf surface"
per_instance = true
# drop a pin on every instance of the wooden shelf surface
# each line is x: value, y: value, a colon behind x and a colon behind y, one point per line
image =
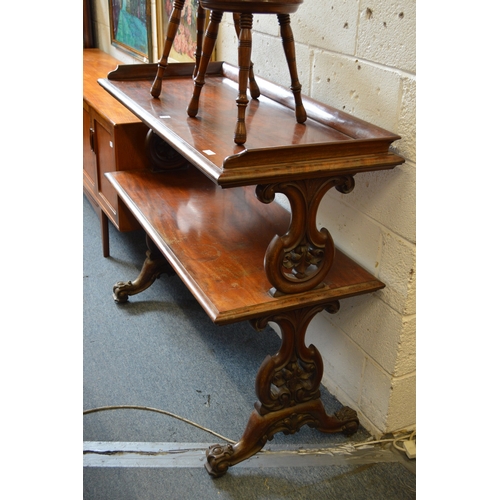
x: 97, y: 64
x: 216, y: 238
x: 330, y: 142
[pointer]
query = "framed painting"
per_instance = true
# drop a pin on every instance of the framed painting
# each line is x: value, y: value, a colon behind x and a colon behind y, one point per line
x: 131, y: 28
x: 184, y: 46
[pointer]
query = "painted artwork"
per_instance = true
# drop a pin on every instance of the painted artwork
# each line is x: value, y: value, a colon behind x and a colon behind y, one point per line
x: 184, y: 46
x: 131, y: 26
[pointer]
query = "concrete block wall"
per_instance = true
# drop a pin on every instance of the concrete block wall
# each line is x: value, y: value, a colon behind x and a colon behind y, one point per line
x: 358, y: 56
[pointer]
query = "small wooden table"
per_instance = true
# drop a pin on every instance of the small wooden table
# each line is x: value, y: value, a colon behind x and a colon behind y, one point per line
x: 242, y: 256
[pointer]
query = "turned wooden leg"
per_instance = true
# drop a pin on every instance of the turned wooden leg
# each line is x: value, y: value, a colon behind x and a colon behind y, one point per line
x: 208, y: 47
x: 287, y: 386
x: 254, y: 88
x: 154, y: 265
x: 173, y: 26
x: 289, y: 47
x: 244, y: 56
x: 200, y: 30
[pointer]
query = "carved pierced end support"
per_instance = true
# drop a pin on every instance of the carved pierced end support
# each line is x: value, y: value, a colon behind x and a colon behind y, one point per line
x: 154, y: 266
x: 287, y: 386
x: 299, y: 260
x: 293, y: 375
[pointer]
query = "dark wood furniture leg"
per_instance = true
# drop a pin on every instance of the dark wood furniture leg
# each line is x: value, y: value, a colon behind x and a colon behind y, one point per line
x: 173, y: 26
x: 206, y: 54
x: 244, y: 62
x: 104, y: 234
x: 200, y: 32
x: 288, y: 389
x: 254, y: 88
x: 289, y: 47
x: 154, y: 265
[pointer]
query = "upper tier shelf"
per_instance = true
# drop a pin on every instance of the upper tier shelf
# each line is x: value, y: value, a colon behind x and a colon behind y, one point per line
x: 330, y: 142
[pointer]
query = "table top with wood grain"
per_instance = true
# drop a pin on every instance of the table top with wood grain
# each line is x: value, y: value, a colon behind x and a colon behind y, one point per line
x: 216, y: 238
x: 97, y: 64
x: 278, y: 148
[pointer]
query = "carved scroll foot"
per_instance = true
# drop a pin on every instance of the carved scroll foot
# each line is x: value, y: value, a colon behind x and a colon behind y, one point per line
x: 154, y: 265
x: 260, y: 429
x: 287, y: 386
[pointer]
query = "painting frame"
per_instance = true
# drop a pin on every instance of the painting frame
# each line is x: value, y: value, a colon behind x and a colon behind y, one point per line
x: 131, y: 27
x: 184, y: 45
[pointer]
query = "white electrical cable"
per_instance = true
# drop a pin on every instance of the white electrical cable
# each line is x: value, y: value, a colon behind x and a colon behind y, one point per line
x: 394, y: 441
x: 134, y: 407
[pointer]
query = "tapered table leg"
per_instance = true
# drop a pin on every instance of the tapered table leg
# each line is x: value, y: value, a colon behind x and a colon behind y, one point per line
x: 287, y: 386
x: 289, y: 48
x: 208, y: 47
x: 173, y: 26
x: 200, y: 31
x: 244, y: 62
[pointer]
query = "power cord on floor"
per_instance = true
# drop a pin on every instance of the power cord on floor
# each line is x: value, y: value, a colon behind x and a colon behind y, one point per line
x: 408, y: 440
x: 409, y: 445
x: 164, y: 412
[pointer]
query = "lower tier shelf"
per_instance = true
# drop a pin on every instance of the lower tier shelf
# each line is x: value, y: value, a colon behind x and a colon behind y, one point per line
x: 215, y: 239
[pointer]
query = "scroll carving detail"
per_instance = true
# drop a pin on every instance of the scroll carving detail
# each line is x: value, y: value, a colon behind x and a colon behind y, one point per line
x: 299, y: 260
x: 293, y: 375
x: 287, y: 386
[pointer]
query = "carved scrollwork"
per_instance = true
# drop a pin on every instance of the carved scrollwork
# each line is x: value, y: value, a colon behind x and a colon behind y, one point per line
x: 219, y: 459
x: 348, y: 419
x: 293, y: 423
x: 287, y: 386
x: 345, y: 184
x: 293, y: 375
x: 299, y: 260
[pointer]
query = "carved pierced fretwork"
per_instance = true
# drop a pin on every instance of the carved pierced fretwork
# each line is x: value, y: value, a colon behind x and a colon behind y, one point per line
x: 299, y: 260
x: 293, y: 375
x: 287, y: 386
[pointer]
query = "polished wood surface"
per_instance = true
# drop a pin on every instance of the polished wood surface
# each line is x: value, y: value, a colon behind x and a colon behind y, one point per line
x: 241, y: 254
x: 243, y: 17
x: 113, y: 139
x: 277, y: 149
x: 215, y: 240
x: 253, y: 6
x: 243, y: 12
x: 97, y: 64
